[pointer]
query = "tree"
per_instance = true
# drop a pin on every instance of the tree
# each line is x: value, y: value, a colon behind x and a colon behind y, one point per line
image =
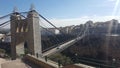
x: 2, y: 52
x: 61, y: 58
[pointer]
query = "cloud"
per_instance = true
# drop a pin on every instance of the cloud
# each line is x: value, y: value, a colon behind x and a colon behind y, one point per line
x: 111, y: 0
x: 82, y: 20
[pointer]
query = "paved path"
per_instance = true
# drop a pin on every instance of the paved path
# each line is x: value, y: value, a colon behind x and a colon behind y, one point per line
x: 2, y: 61
x: 14, y: 64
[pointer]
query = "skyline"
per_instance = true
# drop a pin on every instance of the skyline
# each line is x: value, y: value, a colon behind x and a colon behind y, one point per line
x: 66, y: 12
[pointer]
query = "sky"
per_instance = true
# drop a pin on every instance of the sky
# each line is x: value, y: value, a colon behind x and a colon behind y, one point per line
x: 67, y: 12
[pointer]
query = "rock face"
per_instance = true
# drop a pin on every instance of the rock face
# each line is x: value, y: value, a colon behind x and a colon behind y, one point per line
x: 101, y: 43
x: 94, y: 46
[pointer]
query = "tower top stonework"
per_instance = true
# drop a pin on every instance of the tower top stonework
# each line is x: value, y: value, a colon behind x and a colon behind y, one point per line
x: 15, y: 9
x: 32, y: 7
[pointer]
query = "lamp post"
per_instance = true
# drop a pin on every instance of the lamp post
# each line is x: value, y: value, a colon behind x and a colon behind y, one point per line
x: 113, y: 62
x: 37, y: 55
x: 76, y: 59
x: 59, y: 63
x: 46, y: 58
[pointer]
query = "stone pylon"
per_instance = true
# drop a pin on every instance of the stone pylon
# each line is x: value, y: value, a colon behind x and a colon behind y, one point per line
x: 27, y: 31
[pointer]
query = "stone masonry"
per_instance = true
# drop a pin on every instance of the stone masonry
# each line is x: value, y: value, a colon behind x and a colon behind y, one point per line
x: 27, y: 31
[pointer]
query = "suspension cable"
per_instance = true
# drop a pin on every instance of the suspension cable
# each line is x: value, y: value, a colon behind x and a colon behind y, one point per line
x: 4, y: 25
x: 50, y: 23
x: 5, y: 16
x: 11, y: 14
x: 50, y: 32
x: 40, y: 26
x: 4, y: 22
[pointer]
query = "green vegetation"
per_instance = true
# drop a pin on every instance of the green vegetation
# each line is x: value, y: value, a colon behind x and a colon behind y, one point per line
x: 61, y: 59
x: 3, y: 54
x: 26, y: 51
x: 2, y: 51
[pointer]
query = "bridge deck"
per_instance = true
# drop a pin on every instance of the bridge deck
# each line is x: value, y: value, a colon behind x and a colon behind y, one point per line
x: 62, y: 47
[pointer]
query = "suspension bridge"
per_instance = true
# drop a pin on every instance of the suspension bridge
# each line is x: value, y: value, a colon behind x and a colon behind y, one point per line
x: 27, y: 30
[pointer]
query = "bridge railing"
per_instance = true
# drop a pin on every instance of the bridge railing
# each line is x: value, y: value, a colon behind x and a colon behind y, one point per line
x: 40, y: 61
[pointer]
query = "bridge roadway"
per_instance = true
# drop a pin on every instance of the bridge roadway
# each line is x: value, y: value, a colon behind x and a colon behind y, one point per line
x: 62, y: 46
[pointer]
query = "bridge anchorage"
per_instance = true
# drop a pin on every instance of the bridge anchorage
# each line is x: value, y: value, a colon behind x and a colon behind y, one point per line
x: 25, y: 34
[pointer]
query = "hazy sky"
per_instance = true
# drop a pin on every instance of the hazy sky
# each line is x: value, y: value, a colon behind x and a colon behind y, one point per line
x: 67, y: 12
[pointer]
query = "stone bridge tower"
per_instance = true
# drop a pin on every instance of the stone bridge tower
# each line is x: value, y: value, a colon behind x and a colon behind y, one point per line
x: 25, y: 32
